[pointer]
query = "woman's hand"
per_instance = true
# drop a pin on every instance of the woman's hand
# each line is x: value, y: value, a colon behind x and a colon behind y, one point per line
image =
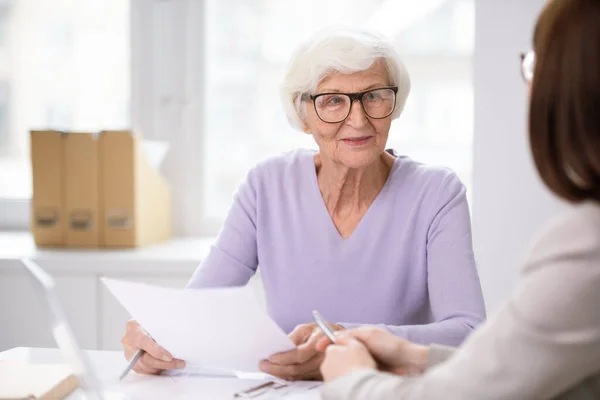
x: 155, y: 359
x: 304, y: 361
x: 392, y: 353
x: 345, y: 356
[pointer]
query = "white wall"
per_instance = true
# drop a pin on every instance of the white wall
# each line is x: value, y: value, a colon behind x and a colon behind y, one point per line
x: 510, y: 204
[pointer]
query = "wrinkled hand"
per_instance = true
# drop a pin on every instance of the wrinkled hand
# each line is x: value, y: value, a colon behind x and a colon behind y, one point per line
x: 155, y: 359
x: 343, y: 357
x: 304, y: 361
x: 392, y: 353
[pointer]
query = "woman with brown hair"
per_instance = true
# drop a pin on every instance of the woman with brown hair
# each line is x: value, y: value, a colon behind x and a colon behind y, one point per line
x: 545, y: 342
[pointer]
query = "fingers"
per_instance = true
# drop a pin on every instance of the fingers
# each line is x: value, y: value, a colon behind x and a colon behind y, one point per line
x: 340, y: 333
x: 364, y: 333
x: 301, y: 333
x: 136, y: 336
x: 393, y: 354
x: 332, y: 350
x: 141, y: 368
x: 380, y: 342
x: 341, y: 359
x: 307, y: 350
x: 151, y: 362
x: 291, y: 372
x: 155, y: 358
x: 342, y: 339
x: 146, y: 343
x: 129, y: 352
x: 139, y: 339
x: 150, y: 365
x: 300, y: 354
x: 329, y: 366
x: 131, y: 325
x: 130, y: 334
x: 301, y: 363
x: 323, y: 343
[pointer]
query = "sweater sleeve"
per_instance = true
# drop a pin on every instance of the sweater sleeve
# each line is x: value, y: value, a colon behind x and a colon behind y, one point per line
x: 232, y: 259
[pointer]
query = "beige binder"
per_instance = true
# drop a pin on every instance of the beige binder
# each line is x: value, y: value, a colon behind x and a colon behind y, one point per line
x: 135, y: 198
x: 82, y: 190
x: 48, y: 221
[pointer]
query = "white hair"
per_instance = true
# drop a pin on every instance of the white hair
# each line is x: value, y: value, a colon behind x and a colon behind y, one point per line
x: 344, y: 51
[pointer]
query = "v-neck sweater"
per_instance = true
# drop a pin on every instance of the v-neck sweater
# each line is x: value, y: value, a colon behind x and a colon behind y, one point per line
x: 408, y: 266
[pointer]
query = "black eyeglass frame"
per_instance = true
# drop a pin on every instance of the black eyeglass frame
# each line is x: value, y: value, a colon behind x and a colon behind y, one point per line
x: 353, y: 97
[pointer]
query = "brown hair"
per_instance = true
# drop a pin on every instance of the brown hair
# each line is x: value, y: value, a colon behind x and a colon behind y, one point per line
x: 564, y: 114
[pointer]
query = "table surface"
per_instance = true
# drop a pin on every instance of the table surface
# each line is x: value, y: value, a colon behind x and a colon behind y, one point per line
x: 109, y: 364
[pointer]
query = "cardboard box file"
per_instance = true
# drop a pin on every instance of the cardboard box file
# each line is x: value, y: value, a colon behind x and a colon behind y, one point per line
x: 136, y: 199
x: 48, y: 222
x: 96, y: 190
x: 81, y: 179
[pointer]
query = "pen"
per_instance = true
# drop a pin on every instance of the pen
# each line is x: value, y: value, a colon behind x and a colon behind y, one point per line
x: 132, y: 362
x: 324, y: 325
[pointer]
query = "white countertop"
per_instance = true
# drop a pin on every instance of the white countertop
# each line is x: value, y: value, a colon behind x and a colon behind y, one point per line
x: 108, y: 365
x: 177, y: 255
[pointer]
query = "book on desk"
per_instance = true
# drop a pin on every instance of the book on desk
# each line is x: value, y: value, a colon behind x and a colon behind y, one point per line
x: 21, y: 381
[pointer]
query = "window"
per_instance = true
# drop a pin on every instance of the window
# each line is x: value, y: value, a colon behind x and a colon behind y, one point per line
x: 247, y: 48
x: 205, y: 74
x: 65, y: 65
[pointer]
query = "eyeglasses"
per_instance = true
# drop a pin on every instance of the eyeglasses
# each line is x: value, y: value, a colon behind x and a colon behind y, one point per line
x: 335, y: 107
x: 527, y: 66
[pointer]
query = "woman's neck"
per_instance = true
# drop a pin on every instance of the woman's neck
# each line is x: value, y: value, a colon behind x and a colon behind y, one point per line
x: 351, y: 189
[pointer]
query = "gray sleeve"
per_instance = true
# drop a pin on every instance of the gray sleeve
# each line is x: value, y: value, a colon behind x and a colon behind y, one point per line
x: 365, y: 384
x: 438, y: 354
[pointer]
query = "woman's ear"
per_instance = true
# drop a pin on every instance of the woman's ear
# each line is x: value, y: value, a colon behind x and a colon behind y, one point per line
x: 303, y: 114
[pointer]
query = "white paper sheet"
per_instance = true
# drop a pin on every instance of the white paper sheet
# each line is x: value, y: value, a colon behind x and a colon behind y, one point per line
x: 215, y: 328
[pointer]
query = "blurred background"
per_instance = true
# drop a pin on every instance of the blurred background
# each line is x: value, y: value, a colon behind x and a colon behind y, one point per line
x: 85, y: 48
x: 204, y: 75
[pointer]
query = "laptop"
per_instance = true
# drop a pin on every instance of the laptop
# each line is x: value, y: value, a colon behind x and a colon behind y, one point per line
x: 90, y: 385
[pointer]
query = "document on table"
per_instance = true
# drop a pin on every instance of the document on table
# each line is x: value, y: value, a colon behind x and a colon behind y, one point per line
x: 221, y: 329
x: 139, y: 386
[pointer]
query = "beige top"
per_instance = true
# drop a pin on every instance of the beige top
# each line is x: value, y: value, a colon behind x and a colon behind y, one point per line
x: 543, y: 343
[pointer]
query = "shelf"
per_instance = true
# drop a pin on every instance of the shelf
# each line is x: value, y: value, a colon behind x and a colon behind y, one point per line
x: 177, y: 255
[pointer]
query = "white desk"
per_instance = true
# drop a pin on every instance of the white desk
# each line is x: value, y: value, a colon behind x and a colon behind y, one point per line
x: 109, y: 364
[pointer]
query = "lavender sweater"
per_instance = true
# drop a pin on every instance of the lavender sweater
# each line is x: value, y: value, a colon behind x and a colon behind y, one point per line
x: 408, y: 266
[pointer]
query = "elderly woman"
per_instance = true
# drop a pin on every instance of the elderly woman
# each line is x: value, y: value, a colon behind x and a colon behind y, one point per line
x: 353, y: 230
x: 545, y: 342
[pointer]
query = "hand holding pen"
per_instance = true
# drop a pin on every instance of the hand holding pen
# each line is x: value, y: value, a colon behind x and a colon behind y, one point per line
x: 144, y: 354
